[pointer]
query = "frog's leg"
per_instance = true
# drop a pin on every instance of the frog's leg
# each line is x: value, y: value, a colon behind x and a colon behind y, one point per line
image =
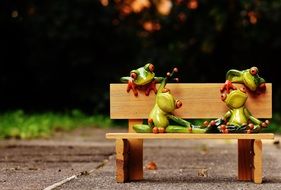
x: 133, y: 86
x: 183, y: 127
x: 256, y: 124
x: 227, y: 86
x: 151, y: 86
x: 141, y: 128
x: 234, y: 75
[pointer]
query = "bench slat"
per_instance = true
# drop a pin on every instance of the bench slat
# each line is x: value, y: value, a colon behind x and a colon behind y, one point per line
x: 188, y: 136
x: 200, y: 100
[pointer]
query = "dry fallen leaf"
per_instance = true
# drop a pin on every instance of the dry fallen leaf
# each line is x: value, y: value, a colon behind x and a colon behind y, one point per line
x: 151, y: 166
x: 203, y: 172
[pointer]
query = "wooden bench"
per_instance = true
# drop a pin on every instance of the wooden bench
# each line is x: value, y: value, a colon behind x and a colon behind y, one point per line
x: 200, y: 100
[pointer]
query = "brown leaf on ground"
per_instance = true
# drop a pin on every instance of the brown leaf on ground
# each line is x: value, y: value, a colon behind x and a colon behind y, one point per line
x: 203, y: 173
x: 151, y: 166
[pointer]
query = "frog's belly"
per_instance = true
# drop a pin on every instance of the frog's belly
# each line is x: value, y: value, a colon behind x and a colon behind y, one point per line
x: 159, y: 118
x: 238, y: 118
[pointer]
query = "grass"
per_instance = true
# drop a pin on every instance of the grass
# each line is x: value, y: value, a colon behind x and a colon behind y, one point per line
x: 18, y: 124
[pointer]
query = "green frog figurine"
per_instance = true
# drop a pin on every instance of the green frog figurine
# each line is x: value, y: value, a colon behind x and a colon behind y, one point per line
x: 238, y: 119
x: 142, y: 78
x: 161, y: 114
x: 249, y: 77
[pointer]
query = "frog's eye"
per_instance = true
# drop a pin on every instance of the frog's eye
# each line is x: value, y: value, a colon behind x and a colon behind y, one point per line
x: 151, y: 67
x: 178, y: 103
x: 254, y: 70
x: 243, y: 89
x: 134, y: 75
x: 223, y: 97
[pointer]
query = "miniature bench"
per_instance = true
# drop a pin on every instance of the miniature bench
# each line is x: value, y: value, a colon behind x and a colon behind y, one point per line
x: 200, y: 100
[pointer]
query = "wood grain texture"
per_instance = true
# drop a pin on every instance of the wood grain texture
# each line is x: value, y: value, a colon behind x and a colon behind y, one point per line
x: 188, y: 136
x: 257, y: 161
x: 122, y: 150
x: 245, y: 159
x: 135, y: 167
x: 200, y: 100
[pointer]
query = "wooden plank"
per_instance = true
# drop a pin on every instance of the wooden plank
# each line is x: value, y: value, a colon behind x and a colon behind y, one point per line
x: 188, y: 136
x: 245, y: 159
x: 122, y: 149
x: 135, y: 168
x: 257, y: 162
x: 200, y: 100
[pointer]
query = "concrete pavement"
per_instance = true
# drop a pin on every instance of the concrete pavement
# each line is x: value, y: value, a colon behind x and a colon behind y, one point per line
x: 182, y: 164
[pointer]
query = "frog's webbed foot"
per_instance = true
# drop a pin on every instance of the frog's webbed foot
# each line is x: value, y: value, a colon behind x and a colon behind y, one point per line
x: 132, y: 86
x: 151, y: 86
x: 227, y: 86
x: 257, y: 128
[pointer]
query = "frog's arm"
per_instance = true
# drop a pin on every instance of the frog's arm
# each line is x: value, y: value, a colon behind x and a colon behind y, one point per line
x: 164, y: 80
x: 179, y: 120
x: 159, y: 79
x: 125, y: 79
x: 227, y: 114
x: 234, y: 75
x: 252, y: 118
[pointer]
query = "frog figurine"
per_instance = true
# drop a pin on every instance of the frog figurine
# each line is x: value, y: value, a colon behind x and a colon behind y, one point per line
x: 158, y: 119
x: 249, y: 77
x: 238, y: 119
x: 142, y: 78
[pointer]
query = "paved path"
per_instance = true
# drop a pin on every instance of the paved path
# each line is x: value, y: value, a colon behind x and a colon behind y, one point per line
x: 86, y: 155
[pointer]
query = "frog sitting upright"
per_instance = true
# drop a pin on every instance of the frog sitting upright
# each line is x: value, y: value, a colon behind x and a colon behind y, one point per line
x: 161, y: 114
x: 249, y: 77
x: 142, y: 78
x: 238, y: 119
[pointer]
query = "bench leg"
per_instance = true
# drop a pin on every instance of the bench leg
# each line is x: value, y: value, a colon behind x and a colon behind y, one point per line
x: 122, y: 150
x: 135, y: 165
x: 257, y: 162
x: 250, y: 160
x: 135, y: 168
x: 129, y: 160
x: 245, y: 159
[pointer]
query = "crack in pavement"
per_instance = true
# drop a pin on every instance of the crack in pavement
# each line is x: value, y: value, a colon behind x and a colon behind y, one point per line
x: 83, y: 173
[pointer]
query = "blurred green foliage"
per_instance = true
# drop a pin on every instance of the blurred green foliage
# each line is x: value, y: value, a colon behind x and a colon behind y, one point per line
x: 58, y: 55
x: 18, y: 124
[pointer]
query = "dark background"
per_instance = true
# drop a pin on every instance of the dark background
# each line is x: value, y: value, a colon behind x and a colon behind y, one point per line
x: 60, y: 55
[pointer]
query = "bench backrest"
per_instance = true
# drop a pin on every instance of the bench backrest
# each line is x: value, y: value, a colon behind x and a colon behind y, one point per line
x: 200, y: 100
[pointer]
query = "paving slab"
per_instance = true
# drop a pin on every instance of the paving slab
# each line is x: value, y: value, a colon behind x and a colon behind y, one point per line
x: 85, y: 153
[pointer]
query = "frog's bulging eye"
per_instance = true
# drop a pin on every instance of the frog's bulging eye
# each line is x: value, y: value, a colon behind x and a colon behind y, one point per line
x: 151, y: 67
x: 223, y: 97
x: 254, y: 70
x: 243, y: 89
x: 134, y: 75
x: 178, y: 104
